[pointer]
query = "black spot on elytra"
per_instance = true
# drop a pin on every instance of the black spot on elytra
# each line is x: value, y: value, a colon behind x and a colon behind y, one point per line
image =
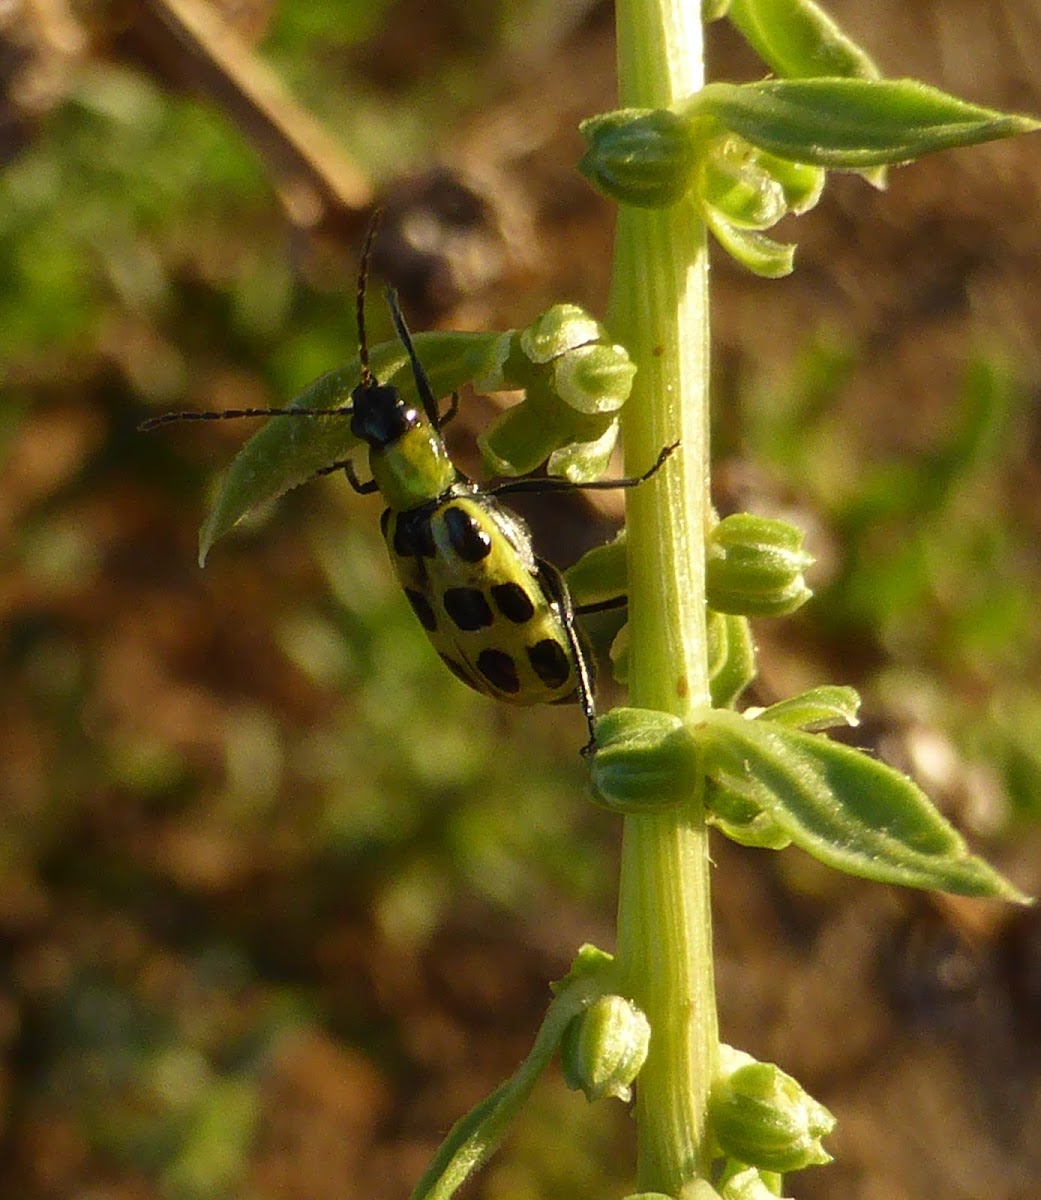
x: 550, y: 662
x: 499, y: 669
x: 513, y: 602
x: 468, y: 608
x: 421, y: 607
x: 465, y: 535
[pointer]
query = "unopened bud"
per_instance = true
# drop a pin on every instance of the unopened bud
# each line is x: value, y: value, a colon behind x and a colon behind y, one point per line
x: 755, y: 567
x: 645, y: 761
x: 561, y: 328
x: 594, y: 379
x: 604, y: 1048
x: 643, y: 157
x: 763, y: 1117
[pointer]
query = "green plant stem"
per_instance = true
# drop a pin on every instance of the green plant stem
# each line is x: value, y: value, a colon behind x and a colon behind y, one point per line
x: 659, y: 311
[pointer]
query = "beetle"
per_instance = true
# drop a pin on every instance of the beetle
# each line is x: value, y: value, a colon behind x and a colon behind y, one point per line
x: 500, y: 618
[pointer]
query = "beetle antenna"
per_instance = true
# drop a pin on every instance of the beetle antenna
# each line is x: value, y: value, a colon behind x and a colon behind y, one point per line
x: 426, y: 392
x: 363, y: 279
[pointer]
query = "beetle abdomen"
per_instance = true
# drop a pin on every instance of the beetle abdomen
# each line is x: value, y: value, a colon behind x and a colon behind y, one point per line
x: 468, y: 569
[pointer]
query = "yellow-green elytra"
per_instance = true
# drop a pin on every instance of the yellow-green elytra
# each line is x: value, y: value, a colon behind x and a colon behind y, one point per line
x: 469, y: 573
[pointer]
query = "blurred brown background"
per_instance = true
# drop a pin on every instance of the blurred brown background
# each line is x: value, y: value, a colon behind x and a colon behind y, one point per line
x: 280, y: 899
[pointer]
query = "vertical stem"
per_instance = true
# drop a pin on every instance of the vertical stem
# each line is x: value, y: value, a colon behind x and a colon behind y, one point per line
x: 659, y: 311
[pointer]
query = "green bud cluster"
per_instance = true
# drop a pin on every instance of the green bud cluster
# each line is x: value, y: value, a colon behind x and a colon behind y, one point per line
x: 645, y: 761
x: 655, y: 158
x: 575, y: 382
x: 762, y: 1117
x: 755, y: 567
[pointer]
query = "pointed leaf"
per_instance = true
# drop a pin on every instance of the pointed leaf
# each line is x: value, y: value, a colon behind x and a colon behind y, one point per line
x: 851, y: 124
x: 819, y: 708
x: 850, y: 811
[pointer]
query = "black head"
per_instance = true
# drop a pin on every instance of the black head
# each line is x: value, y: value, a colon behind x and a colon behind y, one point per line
x: 379, y: 416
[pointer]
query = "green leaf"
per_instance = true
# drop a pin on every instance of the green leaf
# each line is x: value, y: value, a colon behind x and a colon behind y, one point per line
x: 850, y: 124
x: 819, y: 708
x: 289, y: 451
x: 797, y: 39
x: 850, y: 811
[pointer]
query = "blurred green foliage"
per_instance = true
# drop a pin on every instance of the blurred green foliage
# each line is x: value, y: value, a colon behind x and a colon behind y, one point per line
x: 256, y: 845
x: 239, y: 806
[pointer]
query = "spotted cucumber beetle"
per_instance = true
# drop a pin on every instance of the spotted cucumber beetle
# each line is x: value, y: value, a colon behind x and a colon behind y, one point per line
x: 500, y: 618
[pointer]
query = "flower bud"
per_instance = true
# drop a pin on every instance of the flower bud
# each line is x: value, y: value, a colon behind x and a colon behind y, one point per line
x: 574, y: 380
x: 561, y: 328
x: 603, y: 1048
x: 755, y: 567
x: 643, y: 157
x: 644, y: 761
x: 763, y: 1117
x: 594, y: 379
